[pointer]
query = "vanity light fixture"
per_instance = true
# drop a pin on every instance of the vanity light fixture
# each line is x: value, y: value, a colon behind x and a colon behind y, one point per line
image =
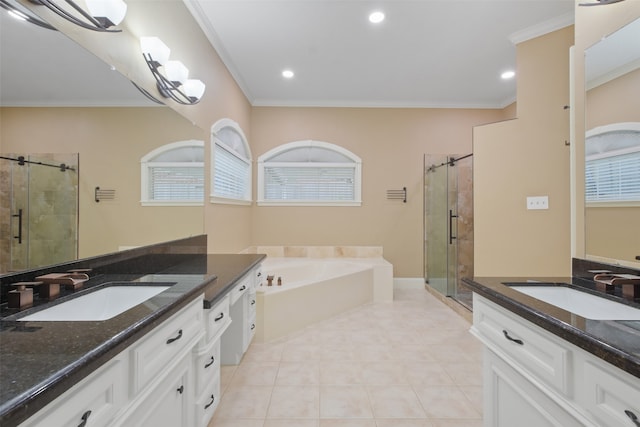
x: 376, y: 17
x: 172, y: 81
x: 600, y: 3
x: 101, y: 14
x: 17, y: 11
x: 508, y: 75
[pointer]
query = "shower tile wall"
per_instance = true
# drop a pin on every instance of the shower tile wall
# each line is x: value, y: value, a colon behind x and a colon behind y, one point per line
x: 5, y: 215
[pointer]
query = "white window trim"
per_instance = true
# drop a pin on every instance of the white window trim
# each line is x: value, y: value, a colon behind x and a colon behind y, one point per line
x: 217, y: 126
x: 357, y: 165
x: 144, y: 172
x: 621, y: 126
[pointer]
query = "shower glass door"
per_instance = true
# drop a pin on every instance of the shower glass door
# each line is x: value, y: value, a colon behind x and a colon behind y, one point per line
x: 40, y: 204
x: 440, y: 225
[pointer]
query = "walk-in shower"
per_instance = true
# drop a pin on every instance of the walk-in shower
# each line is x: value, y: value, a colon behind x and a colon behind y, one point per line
x: 38, y: 210
x: 448, y: 224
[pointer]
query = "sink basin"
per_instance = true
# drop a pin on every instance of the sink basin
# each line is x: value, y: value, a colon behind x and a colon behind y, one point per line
x: 581, y: 303
x: 99, y: 305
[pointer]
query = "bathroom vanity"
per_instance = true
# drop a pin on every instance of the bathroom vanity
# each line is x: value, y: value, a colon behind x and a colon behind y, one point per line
x: 157, y: 363
x: 545, y: 365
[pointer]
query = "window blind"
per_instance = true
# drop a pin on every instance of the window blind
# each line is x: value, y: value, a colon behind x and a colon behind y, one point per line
x: 309, y: 183
x: 176, y: 183
x: 231, y: 175
x: 613, y: 179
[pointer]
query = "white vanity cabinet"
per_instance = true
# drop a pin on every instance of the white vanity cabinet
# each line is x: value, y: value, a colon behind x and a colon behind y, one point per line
x: 147, y: 384
x: 533, y: 378
x: 236, y: 339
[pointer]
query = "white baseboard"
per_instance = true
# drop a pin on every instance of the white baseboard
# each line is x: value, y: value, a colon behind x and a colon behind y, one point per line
x: 408, y: 283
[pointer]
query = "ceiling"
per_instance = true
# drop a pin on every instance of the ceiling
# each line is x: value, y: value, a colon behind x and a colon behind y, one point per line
x: 426, y: 53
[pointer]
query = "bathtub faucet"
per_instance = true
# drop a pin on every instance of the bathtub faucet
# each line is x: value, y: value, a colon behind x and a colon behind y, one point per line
x: 270, y: 280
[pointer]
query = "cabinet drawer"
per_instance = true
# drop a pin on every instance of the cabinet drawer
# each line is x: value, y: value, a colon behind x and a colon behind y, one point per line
x: 527, y: 346
x: 613, y: 399
x: 217, y: 319
x: 97, y: 398
x: 207, y: 366
x: 151, y: 355
x: 243, y: 286
x: 207, y: 404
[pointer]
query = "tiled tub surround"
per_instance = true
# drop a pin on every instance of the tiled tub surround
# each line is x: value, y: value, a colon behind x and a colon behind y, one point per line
x: 41, y: 360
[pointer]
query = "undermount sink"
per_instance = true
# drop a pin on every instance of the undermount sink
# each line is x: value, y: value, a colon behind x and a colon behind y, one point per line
x: 98, y: 305
x: 581, y: 303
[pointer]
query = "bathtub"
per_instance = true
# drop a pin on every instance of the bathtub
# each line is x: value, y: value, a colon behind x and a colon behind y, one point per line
x: 312, y: 290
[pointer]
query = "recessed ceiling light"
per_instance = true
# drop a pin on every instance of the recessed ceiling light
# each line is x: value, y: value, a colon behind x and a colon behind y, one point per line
x: 287, y: 74
x: 508, y: 75
x: 376, y: 17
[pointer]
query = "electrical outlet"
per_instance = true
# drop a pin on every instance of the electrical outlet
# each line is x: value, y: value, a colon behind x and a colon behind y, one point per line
x: 538, y: 202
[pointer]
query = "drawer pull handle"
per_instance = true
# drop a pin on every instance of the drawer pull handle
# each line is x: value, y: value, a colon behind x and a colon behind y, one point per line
x: 180, y: 389
x: 242, y: 288
x: 210, y: 363
x: 213, y: 399
x: 219, y: 318
x: 506, y: 335
x: 253, y: 326
x: 170, y: 340
x: 632, y: 417
x: 253, y: 301
x: 259, y: 274
x: 84, y: 419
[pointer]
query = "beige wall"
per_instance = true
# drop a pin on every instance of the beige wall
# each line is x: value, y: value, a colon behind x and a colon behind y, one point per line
x: 391, y: 144
x: 613, y: 232
x: 110, y: 143
x: 527, y: 157
x: 592, y: 24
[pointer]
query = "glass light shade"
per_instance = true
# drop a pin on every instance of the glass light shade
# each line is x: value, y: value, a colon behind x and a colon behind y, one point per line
x: 175, y: 71
x: 194, y: 88
x: 155, y: 48
x: 113, y: 10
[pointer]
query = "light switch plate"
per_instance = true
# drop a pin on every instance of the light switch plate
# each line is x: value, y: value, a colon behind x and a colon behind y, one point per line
x: 538, y: 202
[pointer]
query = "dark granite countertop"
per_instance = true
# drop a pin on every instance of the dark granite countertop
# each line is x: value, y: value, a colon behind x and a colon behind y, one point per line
x: 614, y: 341
x: 41, y: 360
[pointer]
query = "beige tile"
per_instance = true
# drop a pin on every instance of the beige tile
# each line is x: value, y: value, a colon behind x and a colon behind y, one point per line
x: 427, y: 373
x: 395, y: 402
x: 383, y: 373
x: 298, y: 373
x: 475, y: 396
x: 234, y: 422
x: 446, y: 402
x: 340, y: 373
x: 402, y: 423
x: 294, y: 402
x: 291, y: 423
x: 300, y: 352
x: 255, y: 373
x: 264, y: 352
x: 457, y: 423
x: 347, y: 423
x: 344, y: 402
x: 465, y: 373
x: 245, y: 402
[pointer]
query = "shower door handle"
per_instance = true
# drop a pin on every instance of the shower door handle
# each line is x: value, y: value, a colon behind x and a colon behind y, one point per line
x: 451, y: 236
x: 19, y: 216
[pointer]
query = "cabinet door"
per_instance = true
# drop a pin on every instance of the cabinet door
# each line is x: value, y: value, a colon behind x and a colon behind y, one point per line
x: 511, y: 400
x: 168, y: 404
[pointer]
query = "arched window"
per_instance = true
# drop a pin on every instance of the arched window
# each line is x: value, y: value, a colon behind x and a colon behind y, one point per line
x: 231, y: 164
x: 612, y: 165
x: 309, y: 173
x: 173, y: 175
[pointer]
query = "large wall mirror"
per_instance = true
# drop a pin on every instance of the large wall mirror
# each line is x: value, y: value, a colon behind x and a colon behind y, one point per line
x: 57, y: 100
x: 612, y: 146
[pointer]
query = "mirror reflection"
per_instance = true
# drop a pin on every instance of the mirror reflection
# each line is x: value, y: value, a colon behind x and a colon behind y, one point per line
x: 60, y: 103
x: 612, y: 146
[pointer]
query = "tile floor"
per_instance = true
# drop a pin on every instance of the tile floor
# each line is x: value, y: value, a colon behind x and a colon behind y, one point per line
x: 410, y: 363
